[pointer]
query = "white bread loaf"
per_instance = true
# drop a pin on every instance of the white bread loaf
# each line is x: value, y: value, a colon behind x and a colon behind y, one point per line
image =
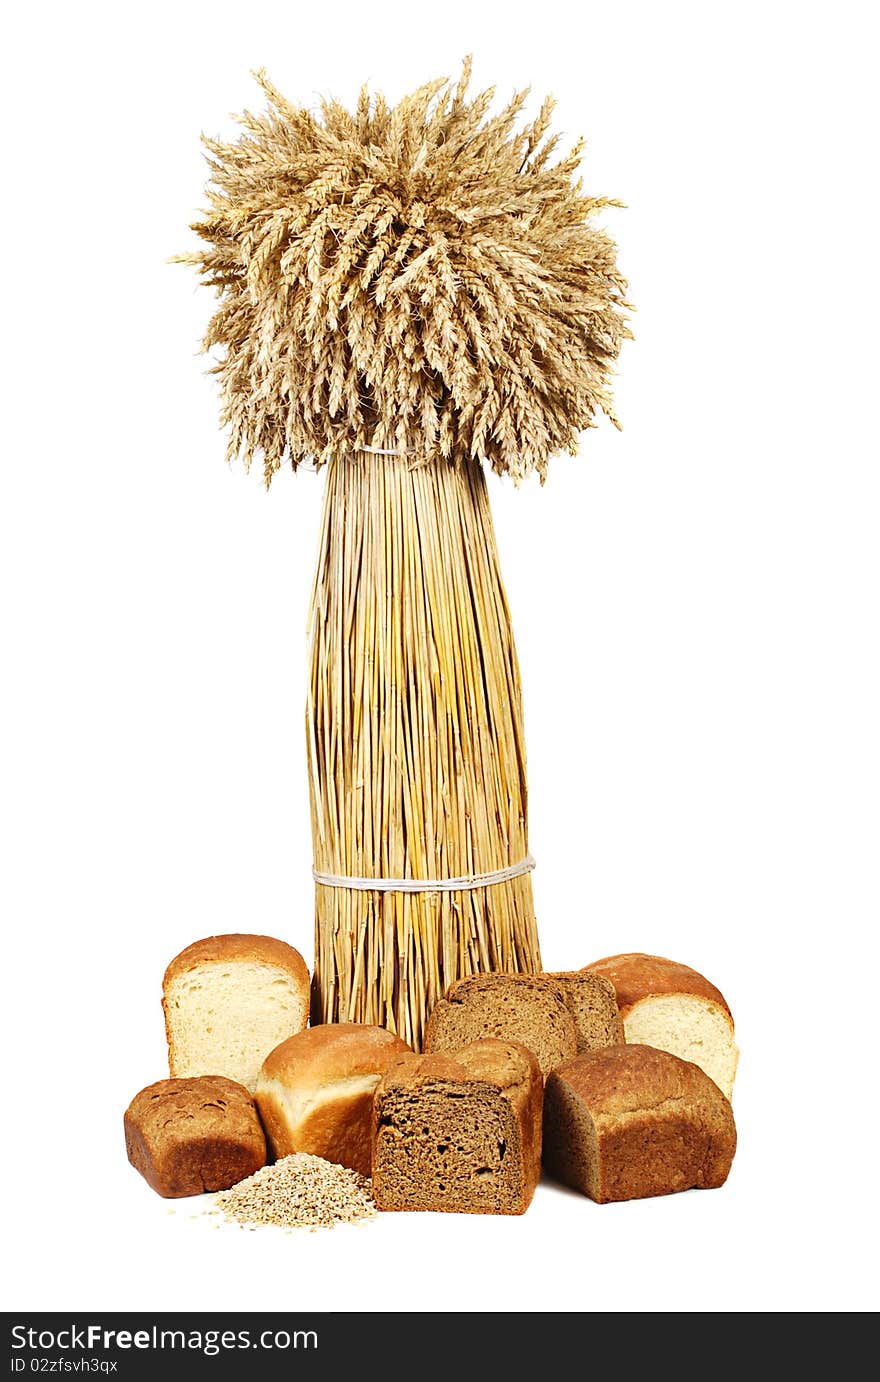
x: 315, y: 1091
x: 670, y: 1006
x: 228, y: 1001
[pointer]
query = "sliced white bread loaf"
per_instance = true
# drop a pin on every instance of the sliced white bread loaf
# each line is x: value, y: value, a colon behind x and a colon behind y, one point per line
x: 228, y: 1001
x: 315, y: 1091
x: 670, y: 1006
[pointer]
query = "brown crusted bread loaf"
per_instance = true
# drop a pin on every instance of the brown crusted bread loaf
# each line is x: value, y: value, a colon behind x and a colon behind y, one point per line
x: 188, y: 1136
x: 592, y: 1002
x: 670, y: 1006
x: 630, y: 1121
x: 459, y: 1131
x: 315, y: 1091
x: 229, y: 1001
x: 528, y: 1008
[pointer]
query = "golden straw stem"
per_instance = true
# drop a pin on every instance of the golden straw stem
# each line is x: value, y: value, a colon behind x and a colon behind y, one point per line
x: 415, y: 742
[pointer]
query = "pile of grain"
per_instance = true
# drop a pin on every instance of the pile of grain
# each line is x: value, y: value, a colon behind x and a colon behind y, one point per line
x: 299, y: 1191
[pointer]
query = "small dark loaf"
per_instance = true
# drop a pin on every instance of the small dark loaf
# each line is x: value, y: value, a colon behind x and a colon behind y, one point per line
x: 631, y: 1121
x: 191, y: 1135
x: 459, y: 1131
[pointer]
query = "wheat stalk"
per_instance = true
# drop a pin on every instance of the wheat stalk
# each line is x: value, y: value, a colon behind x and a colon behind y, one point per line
x: 426, y: 270
x: 415, y: 739
x: 425, y: 279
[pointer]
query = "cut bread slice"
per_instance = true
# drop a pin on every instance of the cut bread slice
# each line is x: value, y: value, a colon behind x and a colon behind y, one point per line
x: 629, y: 1122
x: 459, y: 1131
x: 315, y: 1091
x: 228, y: 1001
x: 674, y: 1008
x: 528, y: 1008
x: 592, y: 1002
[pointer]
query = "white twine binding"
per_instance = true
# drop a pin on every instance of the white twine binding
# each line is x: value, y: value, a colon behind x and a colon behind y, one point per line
x: 385, y: 451
x: 425, y: 885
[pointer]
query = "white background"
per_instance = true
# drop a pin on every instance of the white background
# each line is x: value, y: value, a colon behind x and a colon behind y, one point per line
x: 694, y: 600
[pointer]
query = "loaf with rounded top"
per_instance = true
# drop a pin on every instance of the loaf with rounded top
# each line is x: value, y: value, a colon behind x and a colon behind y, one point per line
x: 629, y: 1122
x: 228, y: 1001
x: 670, y: 1006
x: 459, y: 1131
x: 315, y: 1091
x: 186, y: 1136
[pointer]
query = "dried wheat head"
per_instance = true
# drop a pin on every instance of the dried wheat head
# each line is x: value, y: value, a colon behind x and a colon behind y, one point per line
x: 418, y: 276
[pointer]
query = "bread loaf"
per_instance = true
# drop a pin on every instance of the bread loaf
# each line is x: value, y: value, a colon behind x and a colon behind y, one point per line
x: 315, y: 1091
x: 459, y: 1131
x: 627, y: 1122
x: 188, y: 1136
x: 228, y: 1001
x: 528, y: 1008
x: 592, y: 1002
x: 671, y: 1006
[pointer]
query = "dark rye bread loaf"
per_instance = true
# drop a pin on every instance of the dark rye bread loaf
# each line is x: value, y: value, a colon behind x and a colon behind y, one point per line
x: 631, y: 1121
x: 527, y: 1008
x: 592, y: 1002
x: 188, y: 1136
x: 555, y: 1015
x: 459, y: 1131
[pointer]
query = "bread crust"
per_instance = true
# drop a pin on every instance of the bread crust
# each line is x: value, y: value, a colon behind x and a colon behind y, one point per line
x: 661, y: 1124
x: 240, y: 946
x: 332, y: 1051
x: 636, y: 976
x: 186, y: 1136
x: 315, y: 1091
x: 492, y: 1061
x: 506, y: 1066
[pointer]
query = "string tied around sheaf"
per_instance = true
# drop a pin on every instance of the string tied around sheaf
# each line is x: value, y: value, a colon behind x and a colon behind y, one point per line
x: 465, y: 883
